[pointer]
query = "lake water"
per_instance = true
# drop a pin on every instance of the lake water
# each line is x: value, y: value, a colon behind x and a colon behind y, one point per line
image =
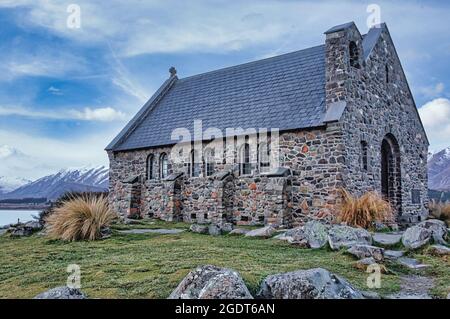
x: 11, y: 216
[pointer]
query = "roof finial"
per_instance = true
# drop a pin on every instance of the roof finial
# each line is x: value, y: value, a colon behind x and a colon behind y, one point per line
x: 172, y: 71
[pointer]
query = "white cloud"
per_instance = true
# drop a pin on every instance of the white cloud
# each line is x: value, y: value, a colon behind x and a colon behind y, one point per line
x: 54, y: 91
x: 105, y: 114
x: 435, y: 116
x: 47, y: 155
x: 433, y: 91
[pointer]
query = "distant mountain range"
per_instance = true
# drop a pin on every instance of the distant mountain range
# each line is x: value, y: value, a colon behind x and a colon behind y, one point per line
x: 439, y: 170
x: 8, y: 184
x: 86, y: 179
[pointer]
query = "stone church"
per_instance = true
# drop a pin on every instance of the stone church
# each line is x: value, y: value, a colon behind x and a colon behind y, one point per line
x: 278, y: 138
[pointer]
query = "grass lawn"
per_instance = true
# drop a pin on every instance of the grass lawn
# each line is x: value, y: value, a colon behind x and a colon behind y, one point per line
x: 152, y: 265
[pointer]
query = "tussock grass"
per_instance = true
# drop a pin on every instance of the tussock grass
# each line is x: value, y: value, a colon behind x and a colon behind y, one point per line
x: 363, y: 211
x: 80, y: 218
x: 440, y: 211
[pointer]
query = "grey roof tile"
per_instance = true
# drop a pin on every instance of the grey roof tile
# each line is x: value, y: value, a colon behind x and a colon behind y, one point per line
x: 284, y: 92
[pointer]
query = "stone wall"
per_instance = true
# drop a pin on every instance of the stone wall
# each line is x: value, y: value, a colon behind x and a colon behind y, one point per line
x: 379, y: 105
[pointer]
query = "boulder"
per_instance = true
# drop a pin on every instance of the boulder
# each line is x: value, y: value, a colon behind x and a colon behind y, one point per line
x: 238, y: 231
x: 393, y: 254
x: 34, y: 225
x: 296, y: 236
x: 365, y: 251
x: 264, y: 232
x: 411, y: 263
x: 416, y: 237
x: 439, y: 250
x: 211, y: 282
x: 215, y: 230
x: 316, y: 234
x: 437, y: 228
x: 20, y: 231
x: 385, y: 239
x: 317, y: 283
x: 62, y: 293
x: 370, y: 295
x: 341, y: 236
x: 226, y: 227
x: 200, y: 229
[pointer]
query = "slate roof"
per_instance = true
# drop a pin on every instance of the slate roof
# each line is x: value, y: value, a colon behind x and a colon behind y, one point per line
x: 284, y: 92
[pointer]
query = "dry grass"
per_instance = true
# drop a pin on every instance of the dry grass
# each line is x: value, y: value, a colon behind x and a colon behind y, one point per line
x: 440, y: 211
x: 365, y: 210
x: 80, y: 218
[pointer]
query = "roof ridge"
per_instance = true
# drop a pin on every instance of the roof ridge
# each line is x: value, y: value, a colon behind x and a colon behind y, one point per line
x: 250, y: 62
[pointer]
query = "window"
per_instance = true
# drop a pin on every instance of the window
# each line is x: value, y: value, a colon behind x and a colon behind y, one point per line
x: 354, y: 55
x: 209, y: 161
x: 194, y: 165
x: 415, y: 196
x: 150, y: 167
x: 163, y: 166
x: 387, y: 73
x: 245, y: 166
x: 264, y: 157
x: 364, y: 155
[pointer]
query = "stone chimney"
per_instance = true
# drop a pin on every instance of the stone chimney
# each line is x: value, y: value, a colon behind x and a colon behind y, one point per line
x: 344, y: 62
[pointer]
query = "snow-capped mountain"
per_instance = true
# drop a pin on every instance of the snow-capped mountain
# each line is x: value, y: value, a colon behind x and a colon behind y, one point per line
x: 8, y: 184
x: 439, y: 170
x: 85, y: 179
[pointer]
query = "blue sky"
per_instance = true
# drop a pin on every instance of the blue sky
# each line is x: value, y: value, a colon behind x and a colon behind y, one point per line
x: 65, y: 92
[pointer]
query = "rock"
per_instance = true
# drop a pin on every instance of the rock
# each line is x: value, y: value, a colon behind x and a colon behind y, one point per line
x: 264, y: 232
x: 200, y: 229
x: 281, y: 236
x: 370, y: 295
x: 364, y: 251
x: 411, y: 263
x: 364, y: 263
x: 214, y: 230
x: 238, y: 231
x: 437, y: 228
x: 448, y: 296
x: 296, y: 236
x: 384, y: 239
x: 393, y: 254
x: 226, y: 227
x: 340, y: 236
x: 105, y: 232
x: 62, y: 293
x: 316, y: 234
x: 211, y: 282
x: 439, y: 250
x: 20, y: 231
x: 416, y: 237
x: 34, y: 225
x: 317, y: 283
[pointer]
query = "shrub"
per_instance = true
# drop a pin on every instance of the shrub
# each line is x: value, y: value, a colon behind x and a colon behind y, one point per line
x: 80, y: 218
x: 62, y: 199
x: 365, y: 210
x: 440, y: 211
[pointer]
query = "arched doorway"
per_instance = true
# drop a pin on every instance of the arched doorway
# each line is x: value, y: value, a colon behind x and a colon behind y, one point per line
x: 391, y: 184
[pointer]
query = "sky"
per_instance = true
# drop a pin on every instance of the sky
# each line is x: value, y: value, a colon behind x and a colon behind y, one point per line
x: 72, y: 73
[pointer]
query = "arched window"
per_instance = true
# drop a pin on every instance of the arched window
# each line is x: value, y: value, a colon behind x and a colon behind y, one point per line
x: 364, y: 156
x: 163, y: 166
x: 354, y: 54
x: 209, y: 161
x: 264, y: 157
x: 150, y: 166
x: 245, y: 166
x: 194, y: 164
